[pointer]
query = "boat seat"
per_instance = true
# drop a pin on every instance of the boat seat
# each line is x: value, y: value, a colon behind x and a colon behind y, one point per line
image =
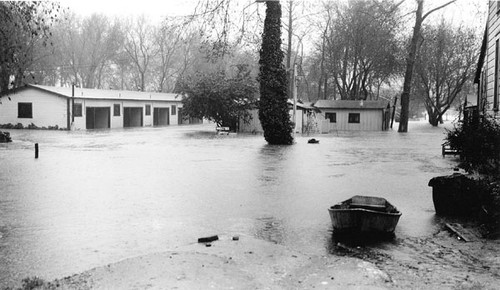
x: 376, y: 206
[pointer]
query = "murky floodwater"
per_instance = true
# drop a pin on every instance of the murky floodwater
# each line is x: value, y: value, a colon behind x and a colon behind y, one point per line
x: 94, y: 198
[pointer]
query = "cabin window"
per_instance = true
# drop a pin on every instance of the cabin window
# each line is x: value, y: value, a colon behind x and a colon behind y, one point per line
x: 148, y: 110
x: 116, y: 110
x: 77, y: 110
x: 174, y: 109
x: 332, y: 117
x: 354, y: 118
x: 25, y: 110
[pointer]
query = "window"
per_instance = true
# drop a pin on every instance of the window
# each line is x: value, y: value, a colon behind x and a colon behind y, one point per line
x: 354, y: 117
x: 116, y: 110
x: 25, y: 110
x: 77, y: 110
x: 332, y: 117
x: 148, y: 110
x: 174, y: 109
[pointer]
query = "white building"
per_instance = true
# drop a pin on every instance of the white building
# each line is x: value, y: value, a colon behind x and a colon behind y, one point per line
x: 348, y: 115
x: 254, y: 126
x: 65, y: 107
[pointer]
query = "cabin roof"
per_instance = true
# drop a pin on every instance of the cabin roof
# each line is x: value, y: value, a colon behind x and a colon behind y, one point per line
x: 351, y: 104
x: 97, y: 94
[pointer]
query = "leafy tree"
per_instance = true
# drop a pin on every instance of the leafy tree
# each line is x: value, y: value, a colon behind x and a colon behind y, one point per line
x: 274, y: 114
x: 218, y: 98
x: 446, y: 61
x: 23, y: 26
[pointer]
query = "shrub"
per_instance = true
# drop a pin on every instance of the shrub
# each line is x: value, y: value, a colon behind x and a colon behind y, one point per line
x: 479, y: 145
x: 30, y: 283
x: 7, y: 126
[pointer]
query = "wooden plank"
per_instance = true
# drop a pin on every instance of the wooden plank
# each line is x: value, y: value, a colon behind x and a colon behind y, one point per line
x: 461, y: 232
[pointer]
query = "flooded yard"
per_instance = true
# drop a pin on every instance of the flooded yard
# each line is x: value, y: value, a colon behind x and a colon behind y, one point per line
x: 98, y: 197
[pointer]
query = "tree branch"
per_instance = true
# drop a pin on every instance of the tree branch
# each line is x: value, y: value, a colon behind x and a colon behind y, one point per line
x: 437, y: 8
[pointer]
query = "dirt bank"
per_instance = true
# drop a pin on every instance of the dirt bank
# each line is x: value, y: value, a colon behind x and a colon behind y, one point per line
x: 244, y: 264
x: 440, y: 261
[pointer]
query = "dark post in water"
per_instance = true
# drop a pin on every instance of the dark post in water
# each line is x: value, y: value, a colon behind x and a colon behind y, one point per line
x: 36, y: 150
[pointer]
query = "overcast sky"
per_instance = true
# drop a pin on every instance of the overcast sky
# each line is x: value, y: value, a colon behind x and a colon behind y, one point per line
x: 155, y: 8
x: 473, y: 12
x: 183, y: 7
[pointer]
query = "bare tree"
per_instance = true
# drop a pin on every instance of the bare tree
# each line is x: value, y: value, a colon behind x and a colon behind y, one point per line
x: 445, y: 62
x: 86, y: 49
x: 141, y: 49
x: 410, y: 61
x: 360, y: 47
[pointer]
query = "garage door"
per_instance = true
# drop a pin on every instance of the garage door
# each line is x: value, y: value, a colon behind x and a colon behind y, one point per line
x: 132, y: 117
x: 97, y: 117
x: 161, y: 116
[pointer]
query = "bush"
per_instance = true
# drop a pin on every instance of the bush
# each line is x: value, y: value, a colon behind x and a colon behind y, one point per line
x: 479, y: 145
x: 31, y: 283
x: 7, y: 126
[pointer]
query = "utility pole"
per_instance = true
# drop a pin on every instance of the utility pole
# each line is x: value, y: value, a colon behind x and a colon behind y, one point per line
x: 294, y: 91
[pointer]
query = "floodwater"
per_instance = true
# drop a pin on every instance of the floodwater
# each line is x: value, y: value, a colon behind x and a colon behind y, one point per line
x: 97, y: 197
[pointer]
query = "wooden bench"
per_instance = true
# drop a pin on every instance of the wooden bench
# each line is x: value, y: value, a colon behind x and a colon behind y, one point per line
x: 447, y: 150
x: 222, y: 130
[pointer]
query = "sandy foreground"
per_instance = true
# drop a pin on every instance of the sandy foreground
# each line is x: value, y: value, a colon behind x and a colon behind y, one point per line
x: 435, y: 262
x: 247, y: 263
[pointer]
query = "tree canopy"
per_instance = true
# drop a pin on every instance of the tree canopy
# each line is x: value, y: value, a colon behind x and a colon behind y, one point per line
x: 219, y: 98
x: 24, y: 29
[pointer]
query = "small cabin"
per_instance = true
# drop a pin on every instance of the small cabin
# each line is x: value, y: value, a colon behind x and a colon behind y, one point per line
x: 352, y: 115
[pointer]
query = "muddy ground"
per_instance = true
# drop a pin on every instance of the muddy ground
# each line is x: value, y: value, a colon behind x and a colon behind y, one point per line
x: 440, y: 261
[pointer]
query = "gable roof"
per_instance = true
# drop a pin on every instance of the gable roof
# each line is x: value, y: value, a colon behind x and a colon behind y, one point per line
x: 351, y: 104
x: 96, y: 94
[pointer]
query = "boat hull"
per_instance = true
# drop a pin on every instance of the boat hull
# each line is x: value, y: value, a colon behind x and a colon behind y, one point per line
x: 373, y: 214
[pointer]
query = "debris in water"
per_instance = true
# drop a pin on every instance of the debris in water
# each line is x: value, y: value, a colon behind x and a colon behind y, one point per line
x: 208, y: 239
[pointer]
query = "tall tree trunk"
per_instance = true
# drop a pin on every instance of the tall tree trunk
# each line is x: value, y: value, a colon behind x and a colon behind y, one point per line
x: 322, y: 63
x: 410, y: 61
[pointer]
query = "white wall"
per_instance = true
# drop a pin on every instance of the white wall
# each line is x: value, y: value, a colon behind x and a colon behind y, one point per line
x: 51, y: 110
x: 493, y: 36
x: 254, y: 126
x: 370, y: 120
x: 117, y: 121
x: 48, y: 109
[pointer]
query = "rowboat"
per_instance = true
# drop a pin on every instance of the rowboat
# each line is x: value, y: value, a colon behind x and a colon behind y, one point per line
x: 364, y: 214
